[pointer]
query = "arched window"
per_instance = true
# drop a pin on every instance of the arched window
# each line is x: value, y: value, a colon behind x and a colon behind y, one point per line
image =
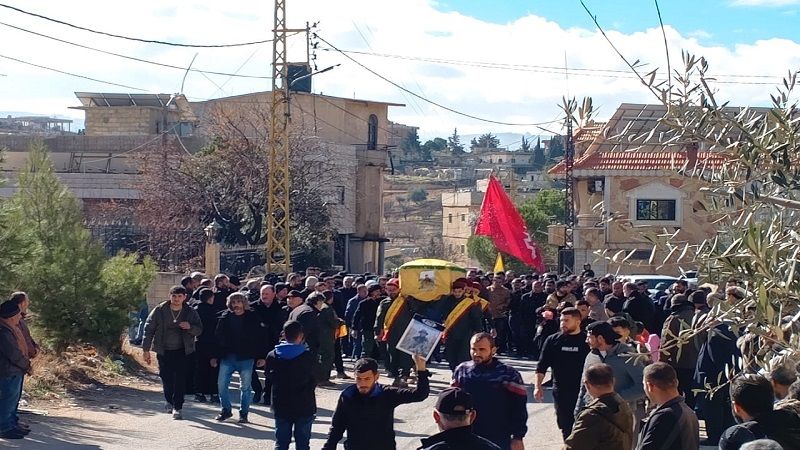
x: 372, y: 133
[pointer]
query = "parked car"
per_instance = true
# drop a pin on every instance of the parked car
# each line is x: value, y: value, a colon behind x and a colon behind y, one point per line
x: 652, y: 280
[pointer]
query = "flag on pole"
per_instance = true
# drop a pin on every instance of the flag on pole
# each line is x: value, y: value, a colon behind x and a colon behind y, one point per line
x: 498, y: 264
x: 500, y: 220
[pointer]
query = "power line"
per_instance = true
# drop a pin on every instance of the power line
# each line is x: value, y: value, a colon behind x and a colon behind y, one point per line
x: 455, y: 111
x: 147, y: 41
x: 133, y: 58
x: 74, y: 74
x: 518, y: 67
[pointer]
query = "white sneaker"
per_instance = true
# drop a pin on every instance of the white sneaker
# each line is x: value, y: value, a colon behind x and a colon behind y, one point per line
x: 176, y: 414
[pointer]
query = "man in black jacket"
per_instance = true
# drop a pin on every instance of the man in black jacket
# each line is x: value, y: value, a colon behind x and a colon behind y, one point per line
x: 307, y: 314
x: 240, y: 336
x: 454, y: 415
x: 205, y: 382
x: 366, y: 410
x: 364, y: 320
x: 640, y: 307
x: 273, y: 318
x: 290, y: 368
x: 752, y: 398
x: 671, y: 425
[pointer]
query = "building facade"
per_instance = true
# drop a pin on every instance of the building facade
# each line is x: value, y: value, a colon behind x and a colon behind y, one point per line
x: 460, y: 210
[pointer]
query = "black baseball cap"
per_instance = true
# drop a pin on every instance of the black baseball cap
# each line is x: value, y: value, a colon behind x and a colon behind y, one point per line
x: 295, y: 293
x: 454, y: 401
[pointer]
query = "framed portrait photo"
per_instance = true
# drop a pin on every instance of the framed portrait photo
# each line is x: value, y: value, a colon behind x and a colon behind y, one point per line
x: 421, y: 337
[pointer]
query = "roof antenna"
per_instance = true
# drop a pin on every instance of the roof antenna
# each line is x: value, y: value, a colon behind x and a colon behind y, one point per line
x: 187, y: 72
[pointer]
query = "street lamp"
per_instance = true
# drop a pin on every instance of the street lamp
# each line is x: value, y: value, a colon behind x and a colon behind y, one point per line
x: 212, y: 231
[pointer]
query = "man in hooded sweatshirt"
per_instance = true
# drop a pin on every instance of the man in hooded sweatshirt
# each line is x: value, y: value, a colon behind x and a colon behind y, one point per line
x: 290, y: 367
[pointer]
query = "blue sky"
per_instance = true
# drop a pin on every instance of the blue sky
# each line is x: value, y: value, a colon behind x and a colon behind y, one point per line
x: 726, y: 22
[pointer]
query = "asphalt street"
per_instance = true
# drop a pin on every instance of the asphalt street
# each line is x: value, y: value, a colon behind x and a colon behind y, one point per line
x: 131, y: 417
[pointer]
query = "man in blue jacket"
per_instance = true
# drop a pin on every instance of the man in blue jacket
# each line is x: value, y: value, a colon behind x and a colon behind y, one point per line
x: 290, y: 369
x: 498, y: 392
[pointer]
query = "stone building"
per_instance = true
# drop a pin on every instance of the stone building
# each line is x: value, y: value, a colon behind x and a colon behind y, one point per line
x: 459, y: 211
x: 621, y: 171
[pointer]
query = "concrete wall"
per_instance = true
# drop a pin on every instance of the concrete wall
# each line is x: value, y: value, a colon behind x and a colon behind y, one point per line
x: 159, y: 288
x: 87, y: 186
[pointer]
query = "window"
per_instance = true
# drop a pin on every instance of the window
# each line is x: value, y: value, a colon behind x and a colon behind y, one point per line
x: 499, y: 160
x: 463, y: 249
x: 513, y: 160
x: 449, y: 218
x: 463, y: 217
x: 658, y: 210
x: 372, y: 132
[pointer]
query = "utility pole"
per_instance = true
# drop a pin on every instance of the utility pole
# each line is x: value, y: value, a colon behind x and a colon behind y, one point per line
x: 568, y: 252
x: 278, y: 251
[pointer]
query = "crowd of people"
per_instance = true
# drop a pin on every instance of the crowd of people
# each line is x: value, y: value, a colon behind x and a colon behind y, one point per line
x: 628, y: 366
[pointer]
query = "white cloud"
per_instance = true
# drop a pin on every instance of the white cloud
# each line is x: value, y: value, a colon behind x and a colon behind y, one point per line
x: 412, y: 28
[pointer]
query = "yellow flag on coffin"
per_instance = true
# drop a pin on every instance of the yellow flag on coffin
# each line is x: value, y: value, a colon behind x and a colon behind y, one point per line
x: 428, y: 279
x: 498, y: 264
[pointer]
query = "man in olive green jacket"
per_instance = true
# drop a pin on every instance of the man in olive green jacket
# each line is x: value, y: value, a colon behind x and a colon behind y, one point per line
x: 606, y: 422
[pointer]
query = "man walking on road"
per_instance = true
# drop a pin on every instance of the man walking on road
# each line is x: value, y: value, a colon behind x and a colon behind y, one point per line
x: 499, y: 302
x: 499, y: 394
x: 394, y: 315
x: 366, y: 410
x: 672, y: 425
x: 607, y: 422
x: 170, y: 331
x: 564, y: 352
x: 454, y: 415
x: 240, y: 339
x: 290, y: 369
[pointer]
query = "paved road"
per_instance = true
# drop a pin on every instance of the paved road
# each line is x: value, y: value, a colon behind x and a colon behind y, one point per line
x: 131, y: 417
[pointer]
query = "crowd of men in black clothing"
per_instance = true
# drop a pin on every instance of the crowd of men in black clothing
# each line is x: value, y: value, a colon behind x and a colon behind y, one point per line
x: 614, y: 349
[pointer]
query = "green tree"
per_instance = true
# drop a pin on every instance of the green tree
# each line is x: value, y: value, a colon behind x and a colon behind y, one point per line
x: 410, y: 143
x: 538, y: 155
x: 454, y: 143
x: 13, y: 248
x: 418, y: 195
x: 431, y: 146
x: 525, y: 144
x: 556, y: 148
x: 77, y: 296
x: 487, y: 140
x: 552, y: 203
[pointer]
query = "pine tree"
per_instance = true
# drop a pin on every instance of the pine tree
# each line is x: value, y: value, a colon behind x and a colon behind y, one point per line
x: 77, y: 295
x: 538, y: 155
x: 13, y: 248
x: 525, y: 145
x: 556, y: 148
x: 454, y: 143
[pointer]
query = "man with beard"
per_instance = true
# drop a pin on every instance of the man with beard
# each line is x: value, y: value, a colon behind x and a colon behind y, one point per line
x: 240, y: 336
x: 606, y: 348
x: 170, y: 331
x: 366, y: 410
x: 499, y: 393
x: 564, y: 352
x: 563, y: 294
x: 616, y: 291
x: 394, y: 314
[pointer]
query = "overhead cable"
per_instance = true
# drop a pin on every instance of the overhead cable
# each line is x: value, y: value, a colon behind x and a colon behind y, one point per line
x: 146, y: 41
x: 432, y: 102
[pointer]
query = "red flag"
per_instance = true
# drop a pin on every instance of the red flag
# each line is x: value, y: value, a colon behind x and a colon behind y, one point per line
x: 501, y: 221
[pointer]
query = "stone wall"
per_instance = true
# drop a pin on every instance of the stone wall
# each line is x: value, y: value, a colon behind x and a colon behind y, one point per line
x: 159, y: 288
x: 130, y: 120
